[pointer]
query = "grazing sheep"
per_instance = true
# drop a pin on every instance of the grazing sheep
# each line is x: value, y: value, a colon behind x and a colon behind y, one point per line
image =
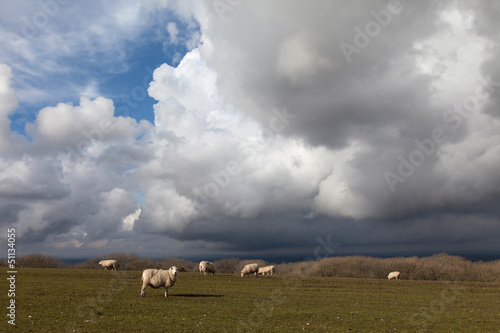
x: 393, y: 275
x: 158, y: 278
x: 250, y: 269
x: 207, y: 267
x: 267, y: 270
x: 111, y: 264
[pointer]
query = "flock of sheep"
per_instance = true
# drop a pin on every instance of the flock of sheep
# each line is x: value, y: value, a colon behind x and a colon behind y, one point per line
x: 159, y: 278
x: 207, y: 267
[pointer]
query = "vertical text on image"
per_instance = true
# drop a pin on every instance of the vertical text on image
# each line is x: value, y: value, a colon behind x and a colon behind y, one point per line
x: 11, y: 273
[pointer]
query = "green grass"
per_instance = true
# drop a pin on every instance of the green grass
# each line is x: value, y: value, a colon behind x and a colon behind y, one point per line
x: 72, y: 300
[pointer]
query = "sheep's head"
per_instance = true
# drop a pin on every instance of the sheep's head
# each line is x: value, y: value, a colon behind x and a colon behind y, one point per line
x: 173, y: 270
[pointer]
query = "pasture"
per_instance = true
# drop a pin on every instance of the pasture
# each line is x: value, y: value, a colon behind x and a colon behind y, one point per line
x: 78, y: 300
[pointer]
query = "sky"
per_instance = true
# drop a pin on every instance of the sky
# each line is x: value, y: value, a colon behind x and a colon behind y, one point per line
x: 250, y: 128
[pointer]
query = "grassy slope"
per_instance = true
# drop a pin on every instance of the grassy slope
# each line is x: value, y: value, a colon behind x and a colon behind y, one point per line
x: 71, y: 300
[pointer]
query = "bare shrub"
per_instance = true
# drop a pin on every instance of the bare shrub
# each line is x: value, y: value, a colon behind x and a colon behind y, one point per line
x: 227, y: 265
x: 442, y: 267
x: 140, y: 264
x: 439, y: 267
x: 182, y: 264
x: 92, y: 263
x: 38, y: 260
x: 488, y: 271
x: 406, y: 266
x: 3, y: 263
x: 133, y: 262
x: 122, y: 258
x: 302, y: 268
x: 337, y: 266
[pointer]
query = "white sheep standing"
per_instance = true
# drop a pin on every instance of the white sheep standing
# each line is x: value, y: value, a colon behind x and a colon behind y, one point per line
x: 207, y: 267
x: 158, y: 278
x: 250, y: 269
x: 110, y: 263
x: 267, y: 270
x: 393, y: 275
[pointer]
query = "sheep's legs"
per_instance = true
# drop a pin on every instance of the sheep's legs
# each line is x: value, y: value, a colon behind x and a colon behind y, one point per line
x: 143, y: 293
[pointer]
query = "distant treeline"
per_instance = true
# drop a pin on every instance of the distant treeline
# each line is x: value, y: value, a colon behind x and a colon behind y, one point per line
x: 442, y: 266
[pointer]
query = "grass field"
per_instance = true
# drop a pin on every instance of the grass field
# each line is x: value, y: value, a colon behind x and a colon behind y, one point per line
x: 77, y: 300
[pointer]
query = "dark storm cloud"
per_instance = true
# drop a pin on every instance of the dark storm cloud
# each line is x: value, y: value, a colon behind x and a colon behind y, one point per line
x: 385, y: 99
x: 373, y: 123
x: 300, y: 64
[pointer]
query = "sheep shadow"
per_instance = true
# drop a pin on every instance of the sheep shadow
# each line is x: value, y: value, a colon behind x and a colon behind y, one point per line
x: 194, y: 295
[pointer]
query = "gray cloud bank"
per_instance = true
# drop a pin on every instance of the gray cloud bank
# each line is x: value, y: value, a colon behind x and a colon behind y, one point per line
x: 374, y: 122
